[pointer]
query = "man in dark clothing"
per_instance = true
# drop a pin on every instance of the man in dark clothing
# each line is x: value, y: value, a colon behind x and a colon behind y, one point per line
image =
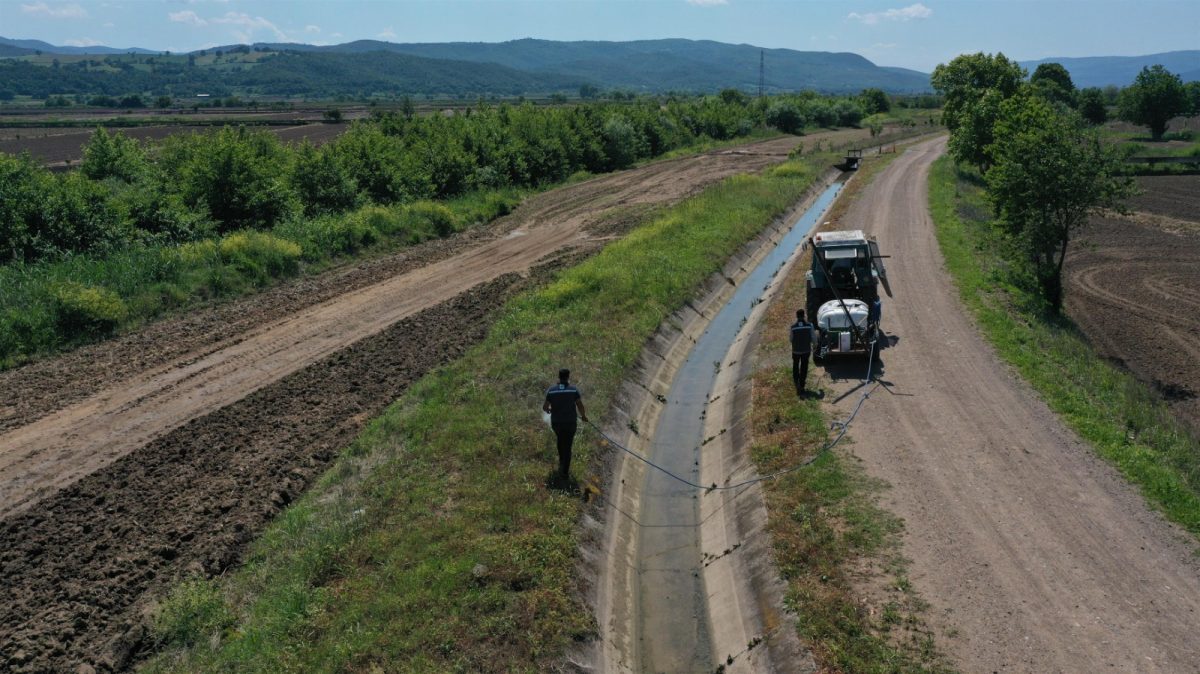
x: 562, y: 401
x: 802, y: 338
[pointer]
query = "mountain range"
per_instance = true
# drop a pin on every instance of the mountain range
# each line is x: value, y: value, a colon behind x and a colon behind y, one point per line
x: 541, y: 66
x: 1102, y: 71
x: 544, y: 65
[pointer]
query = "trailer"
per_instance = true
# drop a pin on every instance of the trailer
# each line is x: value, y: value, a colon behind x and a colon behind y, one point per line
x: 843, y: 293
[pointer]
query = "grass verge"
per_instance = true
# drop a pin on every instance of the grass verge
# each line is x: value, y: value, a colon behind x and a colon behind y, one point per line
x: 1120, y: 417
x: 827, y: 532
x: 433, y: 544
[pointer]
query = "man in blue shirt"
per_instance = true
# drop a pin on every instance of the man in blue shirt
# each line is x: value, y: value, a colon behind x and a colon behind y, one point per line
x: 562, y: 401
x: 802, y: 338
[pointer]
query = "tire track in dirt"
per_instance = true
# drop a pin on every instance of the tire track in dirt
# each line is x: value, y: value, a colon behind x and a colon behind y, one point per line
x: 1034, y: 554
x: 1131, y: 288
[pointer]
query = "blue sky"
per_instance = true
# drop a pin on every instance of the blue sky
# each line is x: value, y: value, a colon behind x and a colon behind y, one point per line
x: 900, y: 33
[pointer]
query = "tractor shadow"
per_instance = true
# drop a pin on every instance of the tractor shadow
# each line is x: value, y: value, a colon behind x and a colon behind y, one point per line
x: 850, y: 369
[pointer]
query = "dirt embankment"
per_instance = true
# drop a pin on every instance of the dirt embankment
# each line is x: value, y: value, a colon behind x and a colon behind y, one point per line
x: 97, y: 535
x: 1033, y: 553
x: 1133, y: 287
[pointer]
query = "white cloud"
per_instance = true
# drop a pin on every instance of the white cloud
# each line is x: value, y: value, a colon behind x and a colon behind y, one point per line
x: 387, y: 34
x: 884, y: 45
x: 83, y: 42
x: 248, y: 24
x: 707, y: 3
x: 187, y: 16
x: 71, y: 11
x: 312, y: 29
x: 917, y: 11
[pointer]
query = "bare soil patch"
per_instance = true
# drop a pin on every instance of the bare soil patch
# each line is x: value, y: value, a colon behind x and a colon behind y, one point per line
x: 77, y: 571
x: 1133, y: 287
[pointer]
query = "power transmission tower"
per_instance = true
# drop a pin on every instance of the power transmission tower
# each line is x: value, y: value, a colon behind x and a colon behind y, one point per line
x: 761, y: 70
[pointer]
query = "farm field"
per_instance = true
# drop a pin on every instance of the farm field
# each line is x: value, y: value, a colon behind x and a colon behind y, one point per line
x: 1131, y: 287
x: 60, y: 147
x: 92, y: 550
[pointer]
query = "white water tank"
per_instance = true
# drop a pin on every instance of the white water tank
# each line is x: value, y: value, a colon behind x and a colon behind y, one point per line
x: 831, y: 315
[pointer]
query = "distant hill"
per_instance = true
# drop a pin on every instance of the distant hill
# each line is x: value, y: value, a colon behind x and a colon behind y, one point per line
x: 312, y: 75
x: 545, y: 65
x: 45, y: 47
x: 663, y: 65
x: 1101, y: 71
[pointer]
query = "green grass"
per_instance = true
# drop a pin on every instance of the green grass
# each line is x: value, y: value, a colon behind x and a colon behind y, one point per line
x: 1110, y: 409
x: 827, y: 530
x: 434, y: 544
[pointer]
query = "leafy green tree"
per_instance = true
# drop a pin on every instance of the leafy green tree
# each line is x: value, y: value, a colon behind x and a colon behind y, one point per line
x: 734, y: 97
x: 1092, y: 106
x: 875, y: 101
x: 1191, y: 90
x: 112, y: 155
x: 622, y: 143
x: 321, y: 182
x: 238, y: 175
x: 967, y: 78
x: 1053, y: 82
x: 786, y: 117
x: 22, y: 184
x: 1050, y: 174
x: 1155, y: 96
x: 848, y: 113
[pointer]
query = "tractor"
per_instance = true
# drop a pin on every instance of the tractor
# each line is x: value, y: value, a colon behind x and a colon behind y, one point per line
x: 843, y: 293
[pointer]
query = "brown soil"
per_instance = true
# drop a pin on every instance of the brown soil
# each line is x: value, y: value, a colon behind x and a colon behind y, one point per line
x: 1132, y: 287
x: 127, y: 464
x: 1034, y: 554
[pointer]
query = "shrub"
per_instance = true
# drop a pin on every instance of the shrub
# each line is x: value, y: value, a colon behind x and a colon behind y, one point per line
x: 81, y: 310
x: 260, y: 255
x: 429, y: 216
x: 194, y: 611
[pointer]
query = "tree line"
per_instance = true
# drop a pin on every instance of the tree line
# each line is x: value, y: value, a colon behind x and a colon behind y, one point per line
x: 195, y: 185
x: 1035, y: 143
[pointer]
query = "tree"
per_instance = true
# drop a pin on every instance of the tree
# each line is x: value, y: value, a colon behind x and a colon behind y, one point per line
x: 734, y: 97
x: 974, y: 86
x: 1155, y: 96
x: 875, y: 101
x: 786, y: 117
x: 322, y: 182
x: 332, y: 115
x: 1053, y: 82
x: 112, y: 156
x: 967, y: 78
x: 1050, y: 174
x: 1191, y: 90
x: 1092, y: 107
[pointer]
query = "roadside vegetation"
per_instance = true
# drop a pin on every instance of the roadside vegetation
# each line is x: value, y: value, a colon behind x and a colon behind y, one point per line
x: 159, y: 227
x: 830, y: 538
x: 435, y: 541
x: 1126, y: 422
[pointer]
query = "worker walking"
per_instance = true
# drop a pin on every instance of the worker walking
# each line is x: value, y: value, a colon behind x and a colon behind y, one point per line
x: 562, y: 402
x: 802, y: 339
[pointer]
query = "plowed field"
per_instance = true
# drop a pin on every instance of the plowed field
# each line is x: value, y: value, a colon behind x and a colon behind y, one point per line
x: 1133, y: 286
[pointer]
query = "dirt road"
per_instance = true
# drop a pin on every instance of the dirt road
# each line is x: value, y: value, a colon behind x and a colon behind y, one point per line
x: 127, y: 464
x: 1035, y: 556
